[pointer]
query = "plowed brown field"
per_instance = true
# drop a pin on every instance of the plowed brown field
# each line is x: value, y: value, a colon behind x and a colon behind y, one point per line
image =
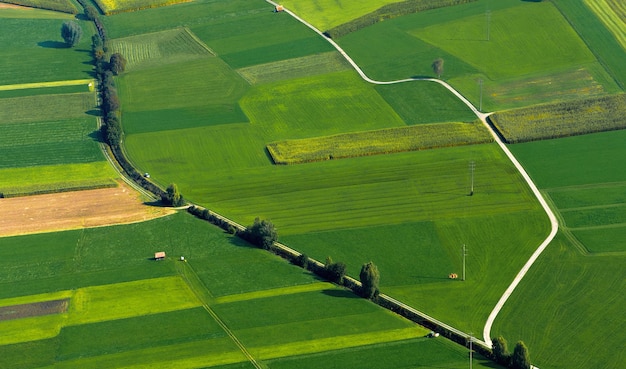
x: 71, y: 210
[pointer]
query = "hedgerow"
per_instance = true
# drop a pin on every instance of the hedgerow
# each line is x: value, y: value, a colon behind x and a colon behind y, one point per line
x: 390, y: 11
x: 385, y: 141
x: 562, y: 119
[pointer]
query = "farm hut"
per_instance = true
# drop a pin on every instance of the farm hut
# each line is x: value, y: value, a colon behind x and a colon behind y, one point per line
x: 279, y: 8
x: 159, y: 255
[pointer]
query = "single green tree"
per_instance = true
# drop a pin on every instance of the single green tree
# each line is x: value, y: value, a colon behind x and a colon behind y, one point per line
x: 172, y: 196
x: 117, y: 64
x: 520, y: 358
x: 370, y: 277
x: 438, y: 67
x: 71, y: 33
x: 500, y: 350
x: 91, y: 12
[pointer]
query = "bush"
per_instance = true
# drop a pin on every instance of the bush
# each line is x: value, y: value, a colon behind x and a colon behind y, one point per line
x: 261, y: 233
x: 302, y: 261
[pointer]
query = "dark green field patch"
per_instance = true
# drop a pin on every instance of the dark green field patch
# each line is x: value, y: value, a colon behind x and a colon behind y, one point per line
x: 595, y: 216
x: 577, y: 197
x: 603, y: 239
x: 146, y: 331
x: 48, y: 143
x: 28, y: 355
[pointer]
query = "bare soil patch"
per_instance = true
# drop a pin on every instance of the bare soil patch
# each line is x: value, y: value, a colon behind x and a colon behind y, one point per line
x: 33, y: 309
x: 72, y: 210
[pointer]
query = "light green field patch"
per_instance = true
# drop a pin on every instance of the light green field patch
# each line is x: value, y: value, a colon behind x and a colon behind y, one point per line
x: 331, y: 103
x: 17, y: 181
x: 326, y: 14
x: 45, y: 107
x: 273, y: 292
x: 523, y: 39
x: 31, y: 329
x: 160, y: 48
x: 76, y: 82
x: 36, y: 298
x: 386, y: 141
x: 333, y: 343
x: 295, y: 68
x: 119, y: 6
x: 613, y: 14
x: 130, y: 299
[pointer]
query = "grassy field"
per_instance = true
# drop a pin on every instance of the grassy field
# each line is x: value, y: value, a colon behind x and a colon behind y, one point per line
x: 578, y: 274
x: 64, y: 6
x: 33, y: 50
x: 152, y: 316
x: 511, y: 76
x: 386, y: 141
x: 118, y: 6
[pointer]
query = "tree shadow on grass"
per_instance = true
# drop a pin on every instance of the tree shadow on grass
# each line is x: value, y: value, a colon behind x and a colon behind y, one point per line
x: 341, y: 293
x: 96, y: 136
x: 53, y: 44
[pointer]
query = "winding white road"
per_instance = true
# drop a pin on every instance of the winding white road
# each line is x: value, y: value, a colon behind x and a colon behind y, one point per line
x: 483, y: 117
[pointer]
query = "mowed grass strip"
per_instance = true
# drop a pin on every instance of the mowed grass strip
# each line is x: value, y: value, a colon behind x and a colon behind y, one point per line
x: 45, y: 108
x: 273, y: 292
x: 159, y: 48
x: 339, y: 342
x: 613, y: 14
x: 562, y: 119
x: 130, y: 299
x: 420, y: 137
x: 309, y: 65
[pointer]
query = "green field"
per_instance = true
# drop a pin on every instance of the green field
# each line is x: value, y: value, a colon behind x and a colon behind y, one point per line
x: 613, y: 14
x: 579, y: 274
x: 126, y: 309
x: 511, y: 76
x: 33, y: 50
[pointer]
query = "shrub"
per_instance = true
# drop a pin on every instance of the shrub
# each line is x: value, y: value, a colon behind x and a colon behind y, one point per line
x: 261, y: 233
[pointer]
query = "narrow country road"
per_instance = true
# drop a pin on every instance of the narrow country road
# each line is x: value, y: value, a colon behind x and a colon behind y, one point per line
x: 483, y: 117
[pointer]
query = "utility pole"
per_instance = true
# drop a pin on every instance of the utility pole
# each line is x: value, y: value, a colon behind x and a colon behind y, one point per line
x: 464, y: 255
x: 472, y: 165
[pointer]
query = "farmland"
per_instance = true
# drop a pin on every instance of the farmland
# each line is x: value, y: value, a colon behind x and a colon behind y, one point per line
x: 210, y: 84
x: 566, y: 68
x: 128, y: 310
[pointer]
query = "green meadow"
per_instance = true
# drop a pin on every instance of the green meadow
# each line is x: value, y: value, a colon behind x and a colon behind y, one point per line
x: 490, y: 41
x: 167, y: 312
x: 579, y: 274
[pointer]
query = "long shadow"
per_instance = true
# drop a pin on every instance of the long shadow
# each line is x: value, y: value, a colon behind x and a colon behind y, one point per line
x: 96, y: 136
x: 341, y: 293
x: 53, y: 44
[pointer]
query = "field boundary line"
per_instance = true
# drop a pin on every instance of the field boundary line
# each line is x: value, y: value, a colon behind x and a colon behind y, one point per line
x: 483, y: 117
x: 24, y: 86
x: 214, y: 315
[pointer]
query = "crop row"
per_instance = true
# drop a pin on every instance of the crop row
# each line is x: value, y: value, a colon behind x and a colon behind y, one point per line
x: 612, y: 15
x: 562, y: 119
x: 420, y: 137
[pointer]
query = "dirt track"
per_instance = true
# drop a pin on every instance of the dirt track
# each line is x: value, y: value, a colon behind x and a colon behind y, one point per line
x: 72, y: 210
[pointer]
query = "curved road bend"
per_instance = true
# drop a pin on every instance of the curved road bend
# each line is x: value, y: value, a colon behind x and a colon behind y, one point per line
x: 483, y: 117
